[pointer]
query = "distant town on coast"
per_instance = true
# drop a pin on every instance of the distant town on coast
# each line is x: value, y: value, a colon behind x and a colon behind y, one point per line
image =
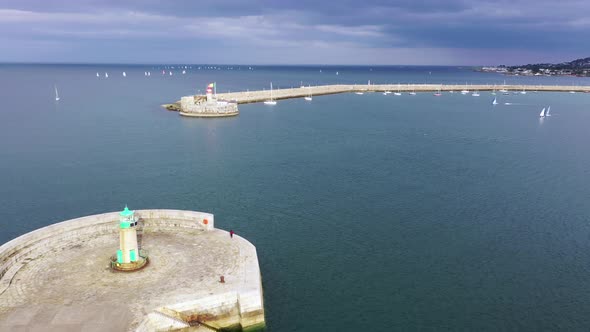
x: 579, y: 67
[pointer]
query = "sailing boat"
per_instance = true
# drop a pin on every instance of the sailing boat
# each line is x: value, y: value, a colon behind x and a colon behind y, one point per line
x: 97, y: 74
x: 106, y: 75
x: 495, y: 102
x: 124, y: 74
x: 270, y: 102
x: 398, y: 93
x: 56, y: 94
x: 308, y: 98
x: 503, y: 90
x: 475, y: 93
x: 523, y: 92
x: 548, y: 110
x: 438, y: 94
x: 542, y: 114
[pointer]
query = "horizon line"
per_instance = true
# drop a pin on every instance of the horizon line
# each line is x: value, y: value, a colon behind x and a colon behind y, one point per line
x: 229, y: 64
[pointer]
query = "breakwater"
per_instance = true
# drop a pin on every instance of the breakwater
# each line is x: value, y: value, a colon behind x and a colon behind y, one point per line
x: 61, y: 271
x: 245, y: 97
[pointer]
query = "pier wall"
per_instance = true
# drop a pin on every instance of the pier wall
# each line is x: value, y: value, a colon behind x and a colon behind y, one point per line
x: 226, y: 104
x: 245, y: 97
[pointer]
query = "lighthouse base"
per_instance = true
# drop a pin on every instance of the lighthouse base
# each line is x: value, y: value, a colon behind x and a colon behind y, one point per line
x: 129, y: 267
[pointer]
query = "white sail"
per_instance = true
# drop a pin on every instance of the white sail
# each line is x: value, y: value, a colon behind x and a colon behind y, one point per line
x: 548, y: 110
x: 56, y: 94
x: 495, y: 102
x: 309, y: 98
x: 97, y: 74
x: 124, y: 74
x: 270, y: 102
x: 542, y: 114
x: 106, y: 75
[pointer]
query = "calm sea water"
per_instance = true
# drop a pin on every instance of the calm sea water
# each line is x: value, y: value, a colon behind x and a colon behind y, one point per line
x: 369, y: 213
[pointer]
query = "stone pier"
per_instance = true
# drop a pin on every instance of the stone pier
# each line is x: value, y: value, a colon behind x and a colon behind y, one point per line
x: 197, y: 105
x: 58, y: 277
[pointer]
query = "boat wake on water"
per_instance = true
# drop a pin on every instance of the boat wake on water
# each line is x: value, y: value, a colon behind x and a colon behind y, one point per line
x: 518, y: 104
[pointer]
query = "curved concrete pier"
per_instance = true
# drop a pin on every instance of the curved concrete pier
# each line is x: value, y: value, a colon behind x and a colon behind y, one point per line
x: 58, y: 277
x: 245, y: 97
x: 186, y: 105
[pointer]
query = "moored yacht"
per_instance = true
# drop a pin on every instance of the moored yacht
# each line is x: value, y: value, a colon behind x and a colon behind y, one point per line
x: 270, y: 101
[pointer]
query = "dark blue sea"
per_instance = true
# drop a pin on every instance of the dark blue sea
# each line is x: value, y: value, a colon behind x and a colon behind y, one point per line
x: 369, y: 213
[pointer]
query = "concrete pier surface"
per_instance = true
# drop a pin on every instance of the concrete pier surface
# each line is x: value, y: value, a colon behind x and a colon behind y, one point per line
x: 245, y: 97
x: 59, y: 277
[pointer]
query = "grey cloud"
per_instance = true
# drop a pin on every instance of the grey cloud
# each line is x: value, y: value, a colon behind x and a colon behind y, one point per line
x: 452, y: 27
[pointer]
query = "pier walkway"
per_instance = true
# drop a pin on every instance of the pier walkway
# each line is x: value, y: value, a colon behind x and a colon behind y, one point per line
x: 245, y: 97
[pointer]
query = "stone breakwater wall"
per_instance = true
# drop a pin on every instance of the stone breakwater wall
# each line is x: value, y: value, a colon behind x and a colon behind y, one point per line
x: 13, y: 254
x: 241, y: 307
x: 228, y: 102
x: 235, y: 304
x: 245, y: 97
x: 191, y: 106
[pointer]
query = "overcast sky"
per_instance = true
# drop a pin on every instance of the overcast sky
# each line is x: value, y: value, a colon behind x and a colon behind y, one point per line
x: 412, y: 32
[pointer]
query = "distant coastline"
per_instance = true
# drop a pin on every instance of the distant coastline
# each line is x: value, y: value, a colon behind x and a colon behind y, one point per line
x: 578, y: 68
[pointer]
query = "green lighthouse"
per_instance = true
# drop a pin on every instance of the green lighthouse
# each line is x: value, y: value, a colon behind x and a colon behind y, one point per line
x: 128, y: 251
